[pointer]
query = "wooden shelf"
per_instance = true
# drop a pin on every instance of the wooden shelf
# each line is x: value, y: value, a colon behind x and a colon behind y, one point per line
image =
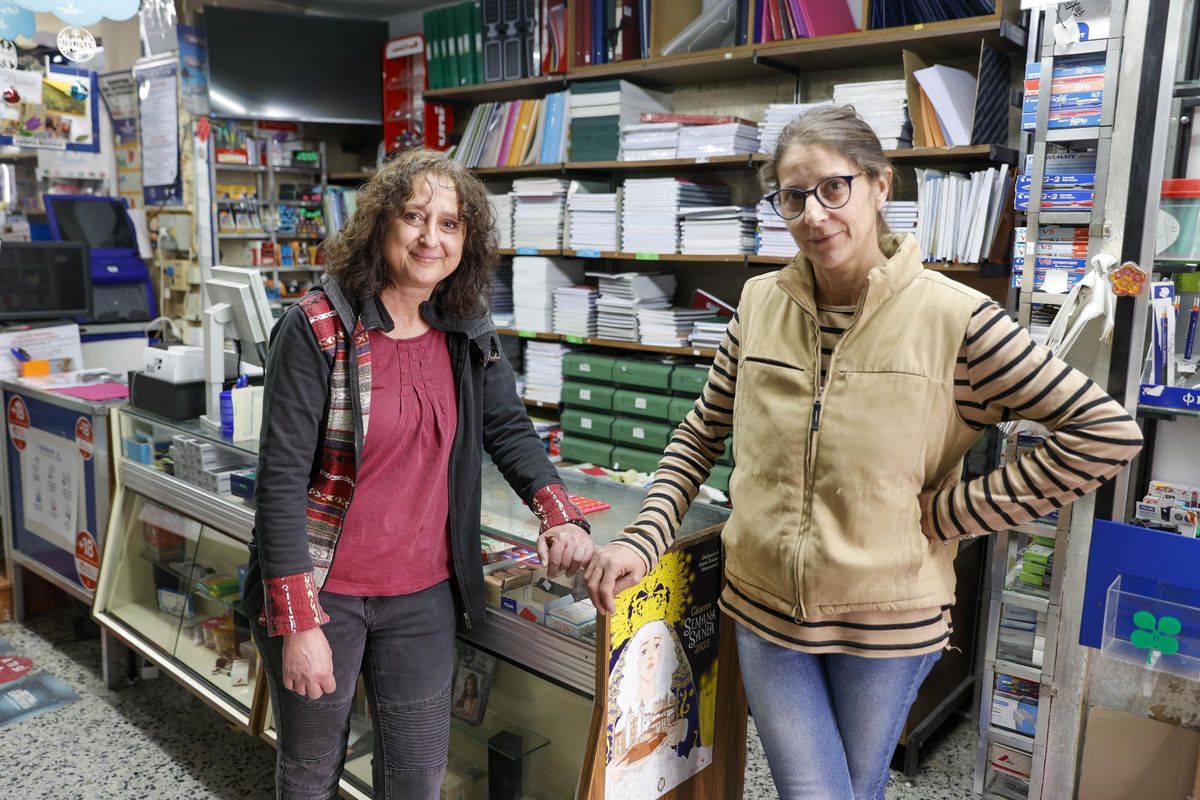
x: 350, y: 176
x: 746, y: 260
x: 735, y: 258
x: 910, y: 157
x: 540, y: 405
x: 698, y: 352
x: 521, y: 89
x: 958, y: 37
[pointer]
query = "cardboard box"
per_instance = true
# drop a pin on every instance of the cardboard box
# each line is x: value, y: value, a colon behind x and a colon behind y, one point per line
x: 588, y: 366
x: 576, y: 394
x: 589, y: 424
x: 575, y: 620
x: 506, y: 578
x: 1127, y: 756
x: 1014, y: 713
x: 535, y: 600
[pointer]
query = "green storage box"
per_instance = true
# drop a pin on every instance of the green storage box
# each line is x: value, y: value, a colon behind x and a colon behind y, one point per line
x: 588, y: 366
x: 688, y: 380
x: 578, y: 450
x: 592, y: 424
x: 643, y: 374
x: 719, y: 477
x: 642, y: 404
x: 642, y: 433
x: 680, y: 408
x: 576, y: 394
x: 632, y: 458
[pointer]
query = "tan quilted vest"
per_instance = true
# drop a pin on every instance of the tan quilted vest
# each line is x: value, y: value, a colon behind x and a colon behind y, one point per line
x: 826, y: 516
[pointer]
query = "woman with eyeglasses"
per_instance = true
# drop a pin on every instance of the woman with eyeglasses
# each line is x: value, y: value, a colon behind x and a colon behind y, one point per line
x: 854, y: 381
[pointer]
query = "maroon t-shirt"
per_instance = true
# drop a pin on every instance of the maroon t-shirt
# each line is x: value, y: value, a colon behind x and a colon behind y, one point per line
x: 395, y: 538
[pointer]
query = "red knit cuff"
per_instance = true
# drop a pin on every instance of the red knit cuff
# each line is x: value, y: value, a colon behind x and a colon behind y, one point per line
x: 290, y: 604
x: 553, y: 507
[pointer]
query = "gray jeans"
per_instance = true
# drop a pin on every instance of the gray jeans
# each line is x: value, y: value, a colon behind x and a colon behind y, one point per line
x: 404, y: 648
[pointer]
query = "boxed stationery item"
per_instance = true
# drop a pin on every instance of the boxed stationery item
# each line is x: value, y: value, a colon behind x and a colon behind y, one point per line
x: 1015, y: 704
x: 574, y: 620
x: 504, y: 578
x: 535, y: 600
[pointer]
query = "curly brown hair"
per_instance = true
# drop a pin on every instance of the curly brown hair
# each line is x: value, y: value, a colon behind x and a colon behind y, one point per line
x: 354, y: 256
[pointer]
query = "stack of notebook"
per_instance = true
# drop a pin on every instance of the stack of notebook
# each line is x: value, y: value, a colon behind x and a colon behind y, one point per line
x: 538, y: 212
x: 575, y: 310
x: 502, y: 207
x: 501, y: 298
x: 543, y: 371
x: 773, y: 236
x: 593, y: 218
x: 718, y: 230
x: 623, y: 295
x: 720, y: 139
x: 534, y: 280
x: 598, y: 109
x: 883, y: 105
x: 668, y: 327
x: 651, y: 206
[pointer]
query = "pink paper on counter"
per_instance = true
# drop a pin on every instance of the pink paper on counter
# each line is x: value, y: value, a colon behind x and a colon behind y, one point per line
x: 99, y: 392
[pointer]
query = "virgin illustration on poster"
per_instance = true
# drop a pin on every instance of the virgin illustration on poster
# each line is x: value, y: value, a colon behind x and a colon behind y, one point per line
x: 662, y: 677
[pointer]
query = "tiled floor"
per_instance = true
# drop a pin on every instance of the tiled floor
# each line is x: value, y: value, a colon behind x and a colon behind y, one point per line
x: 156, y: 741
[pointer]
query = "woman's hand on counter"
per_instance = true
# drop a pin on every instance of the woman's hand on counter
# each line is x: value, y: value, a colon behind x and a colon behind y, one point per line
x: 614, y: 569
x: 565, y: 548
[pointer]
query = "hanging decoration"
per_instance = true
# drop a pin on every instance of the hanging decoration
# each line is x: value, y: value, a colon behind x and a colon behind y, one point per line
x: 16, y: 21
x: 83, y: 12
x: 76, y: 43
x: 8, y: 55
x: 12, y: 96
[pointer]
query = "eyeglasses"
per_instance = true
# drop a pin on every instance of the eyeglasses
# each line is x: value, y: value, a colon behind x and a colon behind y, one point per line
x: 832, y: 193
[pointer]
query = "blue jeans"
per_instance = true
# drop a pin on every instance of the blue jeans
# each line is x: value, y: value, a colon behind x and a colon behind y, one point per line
x: 828, y: 723
x: 404, y: 649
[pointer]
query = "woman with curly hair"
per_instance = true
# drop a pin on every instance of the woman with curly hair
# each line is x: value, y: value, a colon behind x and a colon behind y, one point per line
x: 383, y: 388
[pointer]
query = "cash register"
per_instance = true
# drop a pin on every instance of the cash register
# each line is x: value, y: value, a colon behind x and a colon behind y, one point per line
x: 121, y: 286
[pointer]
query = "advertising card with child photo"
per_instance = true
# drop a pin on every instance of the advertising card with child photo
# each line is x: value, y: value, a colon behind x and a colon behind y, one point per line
x: 472, y: 684
x: 662, y: 675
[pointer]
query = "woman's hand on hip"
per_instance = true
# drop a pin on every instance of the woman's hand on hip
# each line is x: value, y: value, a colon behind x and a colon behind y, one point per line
x: 614, y: 569
x: 565, y: 548
x: 308, y: 664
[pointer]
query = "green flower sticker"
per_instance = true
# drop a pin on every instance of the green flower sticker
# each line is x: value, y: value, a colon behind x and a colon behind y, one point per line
x: 1154, y: 634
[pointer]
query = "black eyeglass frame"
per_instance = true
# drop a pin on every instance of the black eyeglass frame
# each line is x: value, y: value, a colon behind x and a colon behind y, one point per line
x: 804, y: 193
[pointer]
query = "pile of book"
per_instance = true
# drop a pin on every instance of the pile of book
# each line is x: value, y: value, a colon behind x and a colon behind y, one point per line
x: 882, y: 105
x: 1022, y: 635
x: 500, y: 300
x: 455, y: 55
x: 593, y: 217
x: 340, y: 204
x: 959, y: 215
x: 778, y: 20
x: 623, y: 295
x: 901, y: 216
x: 575, y: 310
x: 719, y: 230
x: 651, y: 207
x: 598, y: 109
x: 773, y: 236
x: 1068, y: 182
x: 648, y: 141
x: 1037, y: 565
x: 1060, y: 256
x: 668, y: 327
x: 709, y: 139
x: 1076, y: 92
x: 538, y: 212
x: 534, y: 280
x: 515, y: 133
x: 708, y: 332
x: 543, y: 371
x: 502, y: 208
x: 776, y: 118
x: 1015, y: 704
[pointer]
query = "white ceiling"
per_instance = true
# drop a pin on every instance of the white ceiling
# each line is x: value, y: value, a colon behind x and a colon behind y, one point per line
x: 381, y: 9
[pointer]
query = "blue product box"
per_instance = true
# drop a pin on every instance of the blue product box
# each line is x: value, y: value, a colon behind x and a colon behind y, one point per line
x: 1067, y: 69
x: 1050, y: 262
x: 1058, y: 200
x: 241, y: 484
x: 139, y: 448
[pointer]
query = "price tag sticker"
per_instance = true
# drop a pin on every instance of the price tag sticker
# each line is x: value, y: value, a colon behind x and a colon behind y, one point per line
x: 701, y: 159
x: 647, y: 256
x: 585, y: 394
x: 587, y: 252
x: 639, y: 402
x: 527, y: 334
x: 639, y: 433
x: 574, y: 339
x: 585, y: 423
x: 527, y: 251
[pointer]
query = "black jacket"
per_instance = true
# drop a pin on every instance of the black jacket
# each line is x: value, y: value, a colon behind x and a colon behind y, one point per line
x: 491, y: 417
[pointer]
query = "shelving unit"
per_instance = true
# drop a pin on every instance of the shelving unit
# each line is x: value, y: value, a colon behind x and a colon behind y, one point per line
x: 267, y: 204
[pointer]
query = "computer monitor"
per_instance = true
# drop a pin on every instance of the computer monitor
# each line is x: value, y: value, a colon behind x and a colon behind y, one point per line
x: 45, y: 280
x: 102, y: 223
x: 242, y: 289
x: 253, y: 280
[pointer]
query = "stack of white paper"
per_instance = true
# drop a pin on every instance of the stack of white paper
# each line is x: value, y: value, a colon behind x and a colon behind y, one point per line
x: 534, y: 280
x: 958, y: 215
x: 648, y: 141
x: 951, y: 92
x: 502, y: 207
x: 774, y: 239
x: 593, y: 221
x: 777, y: 116
x: 575, y: 310
x: 882, y: 105
x: 543, y: 371
x: 708, y: 332
x: 719, y: 230
x: 623, y: 295
x: 501, y: 301
x: 538, y: 212
x: 901, y: 216
x: 650, y: 207
x: 668, y: 327
x: 722, y: 139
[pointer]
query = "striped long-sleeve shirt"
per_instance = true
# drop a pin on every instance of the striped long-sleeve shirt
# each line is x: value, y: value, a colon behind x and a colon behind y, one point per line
x: 1000, y: 374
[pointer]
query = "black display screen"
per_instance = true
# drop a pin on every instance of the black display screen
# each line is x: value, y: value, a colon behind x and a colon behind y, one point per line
x: 44, y: 280
x: 101, y: 224
x: 306, y: 68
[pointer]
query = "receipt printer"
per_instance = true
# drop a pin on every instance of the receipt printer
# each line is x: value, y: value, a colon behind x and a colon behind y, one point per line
x: 175, y: 364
